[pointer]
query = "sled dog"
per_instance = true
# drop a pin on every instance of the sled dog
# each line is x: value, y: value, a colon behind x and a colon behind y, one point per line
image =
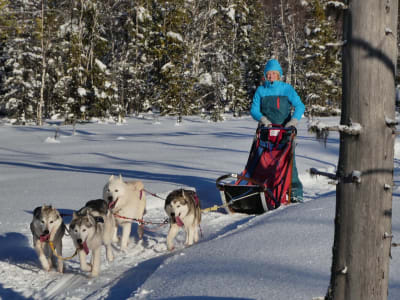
x: 127, y: 201
x: 92, y: 226
x: 183, y: 208
x: 48, y: 226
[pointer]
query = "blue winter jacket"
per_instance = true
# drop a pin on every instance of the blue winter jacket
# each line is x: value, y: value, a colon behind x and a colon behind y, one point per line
x: 274, y: 100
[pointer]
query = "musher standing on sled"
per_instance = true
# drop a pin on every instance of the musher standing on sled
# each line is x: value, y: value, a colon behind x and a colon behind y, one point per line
x: 272, y: 104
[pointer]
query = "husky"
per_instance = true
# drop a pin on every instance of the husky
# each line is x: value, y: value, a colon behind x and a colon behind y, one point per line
x: 92, y: 226
x: 183, y: 209
x: 48, y: 226
x: 127, y: 201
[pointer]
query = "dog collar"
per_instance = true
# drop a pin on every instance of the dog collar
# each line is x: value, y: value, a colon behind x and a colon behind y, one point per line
x: 196, y: 198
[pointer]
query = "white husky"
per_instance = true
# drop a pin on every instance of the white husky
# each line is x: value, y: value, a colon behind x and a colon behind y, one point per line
x: 47, y: 226
x: 91, y: 227
x: 127, y: 201
x: 183, y: 208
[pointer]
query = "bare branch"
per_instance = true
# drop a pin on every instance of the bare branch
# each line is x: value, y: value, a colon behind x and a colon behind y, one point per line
x: 314, y: 171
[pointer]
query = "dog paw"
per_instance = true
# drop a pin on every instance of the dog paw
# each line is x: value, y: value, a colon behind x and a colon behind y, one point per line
x: 124, y: 250
x: 46, y: 267
x: 87, y: 268
x: 110, y: 258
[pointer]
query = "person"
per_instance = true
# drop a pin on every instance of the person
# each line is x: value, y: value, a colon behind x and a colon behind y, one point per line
x: 272, y: 105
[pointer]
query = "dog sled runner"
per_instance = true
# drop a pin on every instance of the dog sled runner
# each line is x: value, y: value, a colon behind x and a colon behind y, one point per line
x: 265, y: 183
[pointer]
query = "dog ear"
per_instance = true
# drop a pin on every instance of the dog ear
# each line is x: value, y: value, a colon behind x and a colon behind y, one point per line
x: 120, y: 177
x: 92, y: 219
x: 74, y: 215
x: 98, y: 219
x: 37, y: 211
x: 111, y: 178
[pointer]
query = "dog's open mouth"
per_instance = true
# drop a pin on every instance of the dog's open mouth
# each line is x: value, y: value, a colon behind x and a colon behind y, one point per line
x: 84, y: 247
x: 178, y: 221
x: 44, y: 237
x: 112, y: 204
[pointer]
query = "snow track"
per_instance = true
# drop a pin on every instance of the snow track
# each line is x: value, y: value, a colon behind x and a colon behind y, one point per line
x: 129, y: 269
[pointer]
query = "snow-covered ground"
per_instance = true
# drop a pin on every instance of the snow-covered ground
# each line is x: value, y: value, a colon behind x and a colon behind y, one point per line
x: 283, y: 254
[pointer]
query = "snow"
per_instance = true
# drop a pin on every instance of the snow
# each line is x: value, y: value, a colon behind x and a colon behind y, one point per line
x: 307, y: 30
x: 143, y: 14
x: 168, y: 66
x: 282, y: 254
x: 336, y: 4
x: 100, y: 65
x: 175, y: 36
x: 231, y: 13
x: 354, y: 128
x: 212, y: 12
x: 205, y: 79
x: 303, y: 3
x: 82, y: 92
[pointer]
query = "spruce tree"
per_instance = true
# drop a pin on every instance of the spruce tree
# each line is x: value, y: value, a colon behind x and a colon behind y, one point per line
x: 321, y: 79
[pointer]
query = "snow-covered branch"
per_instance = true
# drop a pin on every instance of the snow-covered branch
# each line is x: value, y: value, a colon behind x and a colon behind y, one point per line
x: 391, y: 122
x: 352, y: 129
x: 337, y: 5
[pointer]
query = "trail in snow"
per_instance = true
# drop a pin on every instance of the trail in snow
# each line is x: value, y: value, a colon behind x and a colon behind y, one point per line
x: 135, y: 265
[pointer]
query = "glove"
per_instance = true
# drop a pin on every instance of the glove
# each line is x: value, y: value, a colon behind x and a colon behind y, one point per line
x: 292, y: 123
x: 264, y: 121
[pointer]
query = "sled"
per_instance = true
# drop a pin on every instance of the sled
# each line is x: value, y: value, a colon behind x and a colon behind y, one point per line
x: 265, y: 183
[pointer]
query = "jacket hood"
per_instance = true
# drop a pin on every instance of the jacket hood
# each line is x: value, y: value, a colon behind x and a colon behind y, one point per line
x: 273, y: 65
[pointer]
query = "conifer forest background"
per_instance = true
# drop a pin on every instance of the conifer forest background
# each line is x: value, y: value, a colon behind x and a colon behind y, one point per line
x: 83, y: 59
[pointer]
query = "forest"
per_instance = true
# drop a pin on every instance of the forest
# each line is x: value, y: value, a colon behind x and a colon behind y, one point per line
x: 83, y: 59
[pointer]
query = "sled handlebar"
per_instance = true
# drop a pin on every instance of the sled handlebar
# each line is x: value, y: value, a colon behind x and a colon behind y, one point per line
x: 238, y: 176
x: 290, y: 129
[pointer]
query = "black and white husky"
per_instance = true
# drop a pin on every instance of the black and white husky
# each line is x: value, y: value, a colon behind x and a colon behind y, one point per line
x: 183, y: 208
x: 48, y: 226
x: 91, y: 227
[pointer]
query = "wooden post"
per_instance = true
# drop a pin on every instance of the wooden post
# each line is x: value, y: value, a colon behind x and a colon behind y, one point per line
x: 360, y: 266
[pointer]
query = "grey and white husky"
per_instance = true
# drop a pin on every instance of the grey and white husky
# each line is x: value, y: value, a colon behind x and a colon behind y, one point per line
x: 48, y: 226
x: 183, y: 208
x: 91, y: 227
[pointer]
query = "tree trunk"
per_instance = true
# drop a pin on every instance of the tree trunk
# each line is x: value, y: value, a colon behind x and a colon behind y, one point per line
x: 360, y: 266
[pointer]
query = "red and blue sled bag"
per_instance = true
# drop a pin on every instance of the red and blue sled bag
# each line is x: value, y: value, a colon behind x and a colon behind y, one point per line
x: 265, y: 182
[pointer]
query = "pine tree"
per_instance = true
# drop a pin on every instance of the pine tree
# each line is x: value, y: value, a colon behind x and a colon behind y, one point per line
x: 108, y: 59
x: 132, y: 55
x: 259, y: 32
x: 22, y: 64
x: 175, y: 76
x: 7, y: 30
x: 321, y: 80
x: 250, y: 24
